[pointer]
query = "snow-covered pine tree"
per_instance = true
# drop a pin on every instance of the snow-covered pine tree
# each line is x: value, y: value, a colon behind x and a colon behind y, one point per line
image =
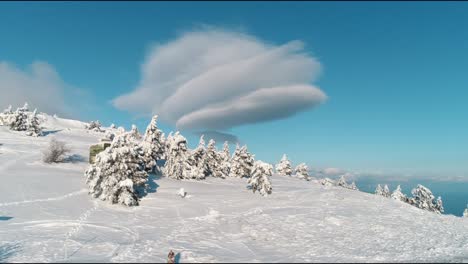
x: 284, y: 166
x: 94, y: 126
x: 112, y: 126
x: 353, y: 186
x: 225, y: 160
x: 135, y: 133
x: 214, y: 160
x: 18, y: 121
x: 5, y: 116
x: 342, y: 182
x: 152, y: 144
x: 398, y: 195
x: 465, y: 213
x: 424, y: 199
x: 386, y: 191
x: 241, y: 163
x: 198, y: 162
x: 176, y: 166
x: 259, y: 181
x: 379, y: 190
x: 118, y: 174
x: 302, y: 172
x: 33, y: 125
x: 327, y: 182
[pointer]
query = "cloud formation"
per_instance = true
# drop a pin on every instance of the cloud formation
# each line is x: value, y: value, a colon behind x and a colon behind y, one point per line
x: 216, y: 79
x: 39, y: 85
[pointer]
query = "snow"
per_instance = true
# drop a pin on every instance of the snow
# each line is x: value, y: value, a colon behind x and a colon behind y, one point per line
x: 46, y: 215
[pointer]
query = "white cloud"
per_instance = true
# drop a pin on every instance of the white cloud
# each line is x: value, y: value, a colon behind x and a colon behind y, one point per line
x: 39, y: 85
x: 215, y: 79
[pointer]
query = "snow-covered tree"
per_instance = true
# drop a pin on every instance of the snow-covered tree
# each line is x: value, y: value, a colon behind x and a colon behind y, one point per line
x: 379, y: 190
x: 177, y: 165
x: 327, y: 182
x: 241, y: 163
x: 152, y: 144
x: 8, y: 110
x: 259, y: 181
x: 18, y: 121
x: 225, y: 160
x: 342, y: 182
x: 424, y: 199
x: 386, y: 191
x: 112, y: 126
x: 118, y: 175
x: 302, y: 172
x: 94, y: 126
x: 398, y: 195
x: 33, y: 125
x: 198, y: 162
x: 284, y: 166
x: 353, y: 186
x: 135, y: 133
x: 465, y: 213
x: 214, y: 160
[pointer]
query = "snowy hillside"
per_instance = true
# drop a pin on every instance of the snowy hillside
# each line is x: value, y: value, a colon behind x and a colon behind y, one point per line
x: 46, y: 215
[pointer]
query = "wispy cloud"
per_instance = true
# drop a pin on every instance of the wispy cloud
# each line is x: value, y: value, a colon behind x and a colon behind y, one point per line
x: 41, y: 86
x: 214, y: 79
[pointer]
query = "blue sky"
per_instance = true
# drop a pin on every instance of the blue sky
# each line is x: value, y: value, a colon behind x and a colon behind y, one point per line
x: 394, y: 73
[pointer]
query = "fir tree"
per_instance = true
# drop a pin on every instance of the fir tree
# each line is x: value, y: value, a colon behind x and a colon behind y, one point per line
x: 302, y: 172
x: 241, y: 163
x: 177, y: 165
x: 465, y: 213
x: 118, y: 174
x: 260, y: 178
x: 225, y: 160
x: 284, y: 166
x: 19, y: 119
x: 214, y: 160
x: 327, y: 182
x: 386, y: 191
x: 398, y: 195
x: 379, y: 190
x: 33, y: 126
x: 152, y: 144
x: 198, y: 162
x: 424, y: 199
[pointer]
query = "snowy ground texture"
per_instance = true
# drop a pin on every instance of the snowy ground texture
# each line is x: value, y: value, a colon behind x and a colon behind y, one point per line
x: 46, y: 215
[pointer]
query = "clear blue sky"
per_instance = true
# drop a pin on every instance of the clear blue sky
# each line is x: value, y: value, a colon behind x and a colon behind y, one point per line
x: 395, y: 73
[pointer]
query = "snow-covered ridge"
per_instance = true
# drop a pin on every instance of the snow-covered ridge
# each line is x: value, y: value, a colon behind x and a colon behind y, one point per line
x: 45, y: 216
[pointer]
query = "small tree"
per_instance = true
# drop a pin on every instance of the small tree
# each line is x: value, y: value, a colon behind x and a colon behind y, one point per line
x: 33, y: 125
x: 241, y: 163
x: 424, y: 199
x: 214, y: 160
x: 465, y: 213
x: 342, y: 182
x: 260, y: 178
x: 55, y: 151
x: 197, y: 161
x: 353, y: 186
x: 153, y: 144
x: 327, y: 182
x: 18, y: 121
x: 94, y: 126
x: 225, y: 160
x: 379, y: 190
x: 177, y: 165
x: 284, y: 166
x: 386, y: 191
x: 398, y: 195
x: 302, y: 172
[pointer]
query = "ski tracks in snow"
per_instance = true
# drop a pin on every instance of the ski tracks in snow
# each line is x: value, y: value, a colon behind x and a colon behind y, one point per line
x: 45, y: 199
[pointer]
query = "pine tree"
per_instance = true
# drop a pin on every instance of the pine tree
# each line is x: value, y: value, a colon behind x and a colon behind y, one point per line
x: 353, y: 186
x: 8, y: 110
x: 214, y: 160
x: 152, y: 144
x: 424, y: 199
x: 284, y: 166
x: 118, y: 174
x: 465, y: 213
x: 342, y: 182
x: 198, y: 162
x: 260, y: 178
x: 241, y: 163
x: 379, y: 190
x: 398, y: 195
x: 225, y: 160
x: 135, y: 133
x: 177, y: 165
x: 327, y: 182
x: 94, y: 126
x: 302, y: 172
x: 386, y: 191
x: 33, y: 126
x: 19, y: 119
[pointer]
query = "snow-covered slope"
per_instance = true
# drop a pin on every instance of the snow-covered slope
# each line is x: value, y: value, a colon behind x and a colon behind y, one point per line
x: 46, y: 215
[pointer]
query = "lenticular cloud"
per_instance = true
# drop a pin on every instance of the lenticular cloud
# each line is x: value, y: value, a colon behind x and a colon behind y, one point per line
x: 216, y: 79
